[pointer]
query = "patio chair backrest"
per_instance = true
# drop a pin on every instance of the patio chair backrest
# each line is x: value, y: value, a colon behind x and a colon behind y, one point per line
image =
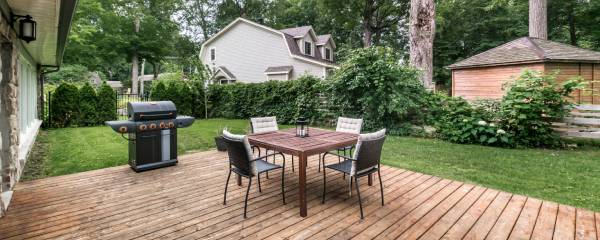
x: 240, y: 155
x: 349, y: 125
x: 263, y: 124
x: 368, y: 152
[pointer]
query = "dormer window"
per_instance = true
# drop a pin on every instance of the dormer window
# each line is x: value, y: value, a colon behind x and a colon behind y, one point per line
x: 308, y: 48
x: 213, y: 54
x: 328, y: 54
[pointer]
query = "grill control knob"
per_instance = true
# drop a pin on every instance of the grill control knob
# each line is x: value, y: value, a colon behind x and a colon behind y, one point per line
x: 153, y: 126
x: 162, y: 125
x: 143, y: 127
x: 171, y: 124
x: 123, y: 129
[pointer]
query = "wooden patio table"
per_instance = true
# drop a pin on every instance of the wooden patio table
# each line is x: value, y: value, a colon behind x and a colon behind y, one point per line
x: 318, y: 141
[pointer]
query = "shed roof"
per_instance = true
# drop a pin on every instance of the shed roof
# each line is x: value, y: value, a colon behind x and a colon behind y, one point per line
x: 528, y: 50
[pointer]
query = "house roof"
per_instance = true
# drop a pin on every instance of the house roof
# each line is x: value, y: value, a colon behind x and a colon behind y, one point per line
x: 295, y: 50
x: 297, y: 32
x: 225, y: 71
x: 53, y: 19
x: 528, y: 50
x: 279, y: 69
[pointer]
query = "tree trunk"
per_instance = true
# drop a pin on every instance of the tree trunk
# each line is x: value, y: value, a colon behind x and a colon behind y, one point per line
x: 135, y: 61
x: 422, y: 33
x: 570, y: 18
x: 367, y: 29
x: 538, y: 23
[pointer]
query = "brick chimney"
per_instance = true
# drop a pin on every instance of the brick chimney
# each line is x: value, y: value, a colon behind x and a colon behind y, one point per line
x: 538, y: 23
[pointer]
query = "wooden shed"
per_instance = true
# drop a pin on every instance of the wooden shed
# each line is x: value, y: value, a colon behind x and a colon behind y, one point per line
x: 483, y: 76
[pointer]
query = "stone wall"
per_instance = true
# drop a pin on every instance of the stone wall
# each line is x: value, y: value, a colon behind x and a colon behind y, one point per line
x: 9, y: 129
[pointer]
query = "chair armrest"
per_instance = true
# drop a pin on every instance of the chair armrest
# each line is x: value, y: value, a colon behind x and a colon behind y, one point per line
x: 269, y: 155
x: 342, y: 156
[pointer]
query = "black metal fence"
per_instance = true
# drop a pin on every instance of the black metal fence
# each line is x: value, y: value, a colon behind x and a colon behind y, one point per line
x: 121, y: 100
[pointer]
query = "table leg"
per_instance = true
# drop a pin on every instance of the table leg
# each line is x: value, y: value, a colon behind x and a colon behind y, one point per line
x: 239, y: 180
x: 302, y: 184
x: 370, y: 179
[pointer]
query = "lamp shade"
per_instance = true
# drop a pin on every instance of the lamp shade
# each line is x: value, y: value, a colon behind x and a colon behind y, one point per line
x: 27, y: 29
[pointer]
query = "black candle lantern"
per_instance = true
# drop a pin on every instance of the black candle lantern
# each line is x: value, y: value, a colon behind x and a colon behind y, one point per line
x: 27, y: 27
x: 301, y: 127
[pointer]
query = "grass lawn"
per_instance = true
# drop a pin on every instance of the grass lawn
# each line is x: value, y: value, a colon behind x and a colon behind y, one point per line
x: 566, y: 176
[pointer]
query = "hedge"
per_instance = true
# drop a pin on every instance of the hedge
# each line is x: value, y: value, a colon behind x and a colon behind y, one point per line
x: 81, y: 107
x: 287, y: 100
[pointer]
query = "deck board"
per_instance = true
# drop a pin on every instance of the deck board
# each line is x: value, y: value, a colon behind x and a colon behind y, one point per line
x: 185, y: 202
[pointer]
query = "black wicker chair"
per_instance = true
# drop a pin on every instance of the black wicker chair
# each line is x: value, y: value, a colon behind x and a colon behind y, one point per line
x: 241, y: 162
x: 265, y: 125
x: 366, y: 160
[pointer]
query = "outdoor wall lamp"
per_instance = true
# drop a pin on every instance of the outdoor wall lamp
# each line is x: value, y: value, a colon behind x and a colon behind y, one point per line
x: 27, y: 27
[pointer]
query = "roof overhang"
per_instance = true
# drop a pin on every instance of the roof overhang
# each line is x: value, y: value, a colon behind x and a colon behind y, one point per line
x: 223, y: 72
x: 450, y: 67
x: 53, y: 19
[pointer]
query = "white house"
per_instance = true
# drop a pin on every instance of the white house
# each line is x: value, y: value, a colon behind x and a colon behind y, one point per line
x: 245, y: 51
x: 24, y: 61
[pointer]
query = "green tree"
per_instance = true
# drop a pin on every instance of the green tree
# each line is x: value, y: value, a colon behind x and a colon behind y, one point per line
x: 64, y: 105
x: 373, y: 85
x: 88, y: 104
x: 106, y: 107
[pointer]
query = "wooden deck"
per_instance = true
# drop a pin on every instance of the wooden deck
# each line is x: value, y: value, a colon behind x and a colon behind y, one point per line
x: 185, y: 202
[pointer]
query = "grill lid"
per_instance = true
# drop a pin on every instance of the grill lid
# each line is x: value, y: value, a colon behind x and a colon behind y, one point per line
x: 145, y: 111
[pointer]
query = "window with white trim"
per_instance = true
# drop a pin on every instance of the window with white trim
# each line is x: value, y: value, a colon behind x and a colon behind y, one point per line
x: 328, y: 54
x: 308, y: 48
x: 26, y: 76
x: 213, y: 54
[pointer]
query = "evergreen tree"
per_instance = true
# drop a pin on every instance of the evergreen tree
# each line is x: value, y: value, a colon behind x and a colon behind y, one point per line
x: 106, y: 103
x: 88, y: 102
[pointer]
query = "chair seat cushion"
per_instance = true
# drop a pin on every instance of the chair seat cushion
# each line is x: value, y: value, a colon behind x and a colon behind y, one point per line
x: 344, y: 166
x: 264, y: 166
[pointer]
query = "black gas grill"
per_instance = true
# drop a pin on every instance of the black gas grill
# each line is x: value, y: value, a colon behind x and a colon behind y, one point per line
x: 152, y: 133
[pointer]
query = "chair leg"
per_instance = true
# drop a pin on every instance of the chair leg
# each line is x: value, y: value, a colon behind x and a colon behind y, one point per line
x: 350, y: 186
x: 283, y: 182
x: 267, y: 153
x: 259, y: 189
x: 293, y: 170
x: 247, y: 192
x: 324, y: 183
x: 359, y: 200
x: 380, y: 185
x: 226, y: 184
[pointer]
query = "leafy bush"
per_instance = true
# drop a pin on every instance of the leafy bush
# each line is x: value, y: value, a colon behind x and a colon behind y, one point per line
x: 460, y: 122
x: 159, y: 91
x: 106, y: 108
x: 88, y: 103
x: 178, y: 91
x: 69, y: 74
x: 372, y: 85
x: 531, y: 104
x: 64, y: 105
x: 285, y: 99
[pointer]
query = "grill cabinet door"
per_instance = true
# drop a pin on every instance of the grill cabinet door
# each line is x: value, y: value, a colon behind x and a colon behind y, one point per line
x: 148, y: 147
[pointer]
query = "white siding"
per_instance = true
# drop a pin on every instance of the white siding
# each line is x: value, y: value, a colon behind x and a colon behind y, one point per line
x: 247, y: 51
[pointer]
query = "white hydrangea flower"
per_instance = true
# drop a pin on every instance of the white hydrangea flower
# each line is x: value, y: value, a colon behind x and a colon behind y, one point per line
x: 500, y: 131
x: 492, y: 125
x: 482, y: 123
x: 465, y: 120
